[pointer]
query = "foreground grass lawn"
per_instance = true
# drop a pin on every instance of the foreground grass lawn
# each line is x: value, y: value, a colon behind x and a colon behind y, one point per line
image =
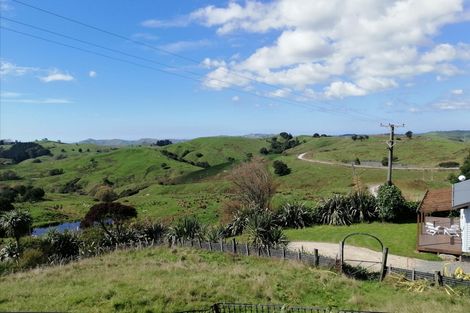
x: 165, y: 280
x: 399, y: 238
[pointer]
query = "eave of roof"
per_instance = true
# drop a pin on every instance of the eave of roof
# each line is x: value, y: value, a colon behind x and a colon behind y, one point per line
x: 439, y: 200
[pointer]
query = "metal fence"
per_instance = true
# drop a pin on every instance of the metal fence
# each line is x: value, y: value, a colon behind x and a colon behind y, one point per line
x: 269, y: 308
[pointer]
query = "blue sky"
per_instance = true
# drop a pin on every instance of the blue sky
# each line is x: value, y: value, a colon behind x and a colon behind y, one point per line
x: 254, y: 67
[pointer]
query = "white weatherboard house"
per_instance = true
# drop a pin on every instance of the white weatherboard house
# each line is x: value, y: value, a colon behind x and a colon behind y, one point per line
x: 461, y: 200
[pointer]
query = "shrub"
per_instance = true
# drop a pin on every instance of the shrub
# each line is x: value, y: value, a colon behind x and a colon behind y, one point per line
x: 215, y: 233
x: 334, y: 211
x: 63, y: 245
x: 36, y: 161
x: 9, y: 175
x: 149, y: 230
x: 21, y: 151
x: 33, y: 194
x: 105, y: 194
x: 199, y: 154
x: 390, y: 202
x: 9, y: 251
x: 239, y: 221
x: 465, y: 168
x: 281, y: 168
x: 71, y: 186
x: 409, y: 134
x: 263, y: 231
x: 16, y: 224
x: 187, y: 228
x: 294, y: 215
x: 5, y: 205
x: 363, y: 207
x: 56, y: 171
x: 31, y: 258
x: 449, y: 164
x: 264, y: 151
x: 253, y: 185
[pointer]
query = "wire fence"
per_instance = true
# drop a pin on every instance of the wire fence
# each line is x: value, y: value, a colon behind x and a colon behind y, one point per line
x: 269, y: 308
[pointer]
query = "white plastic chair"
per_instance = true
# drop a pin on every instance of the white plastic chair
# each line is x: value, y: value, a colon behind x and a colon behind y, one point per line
x: 431, y: 229
x: 453, y: 231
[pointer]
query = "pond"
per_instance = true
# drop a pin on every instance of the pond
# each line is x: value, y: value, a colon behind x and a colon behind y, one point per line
x: 71, y: 226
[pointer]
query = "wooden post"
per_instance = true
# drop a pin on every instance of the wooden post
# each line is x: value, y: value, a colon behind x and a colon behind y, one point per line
x: 234, y: 248
x: 316, y: 261
x: 299, y: 255
x: 413, y: 275
x: 259, y: 251
x: 383, y: 268
x: 284, y: 253
x: 438, y: 278
x: 210, y: 246
x: 247, y: 247
x: 192, y: 243
x: 199, y: 243
x: 222, y: 245
x: 341, y: 255
x: 269, y: 251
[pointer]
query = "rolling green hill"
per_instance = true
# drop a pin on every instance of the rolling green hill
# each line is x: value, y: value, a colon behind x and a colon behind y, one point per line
x: 424, y: 151
x: 169, y: 187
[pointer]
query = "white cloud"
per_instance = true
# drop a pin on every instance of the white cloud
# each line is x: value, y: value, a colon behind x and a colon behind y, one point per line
x: 341, y: 89
x: 36, y: 101
x: 7, y: 68
x: 9, y: 94
x: 280, y: 93
x: 235, y: 98
x: 155, y: 23
x: 56, y: 75
x: 92, y: 74
x: 452, y: 104
x: 355, y: 47
x: 457, y: 92
x: 186, y: 45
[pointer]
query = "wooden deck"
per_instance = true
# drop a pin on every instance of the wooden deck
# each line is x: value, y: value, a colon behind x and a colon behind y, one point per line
x: 440, y: 244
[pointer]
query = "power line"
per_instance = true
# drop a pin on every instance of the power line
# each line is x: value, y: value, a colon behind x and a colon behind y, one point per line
x: 139, y: 64
x: 116, y: 35
x: 133, y: 63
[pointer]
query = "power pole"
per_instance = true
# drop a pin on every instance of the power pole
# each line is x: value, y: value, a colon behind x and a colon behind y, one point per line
x: 390, y: 143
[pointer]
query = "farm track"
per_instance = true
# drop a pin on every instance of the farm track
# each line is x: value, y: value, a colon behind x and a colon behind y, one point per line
x: 411, y: 168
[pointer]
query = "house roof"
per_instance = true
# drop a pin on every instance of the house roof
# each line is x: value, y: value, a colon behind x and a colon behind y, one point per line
x: 461, y: 194
x: 438, y: 200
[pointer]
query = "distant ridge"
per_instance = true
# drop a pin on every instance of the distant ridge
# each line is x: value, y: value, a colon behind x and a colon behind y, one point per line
x: 458, y: 135
x: 122, y: 142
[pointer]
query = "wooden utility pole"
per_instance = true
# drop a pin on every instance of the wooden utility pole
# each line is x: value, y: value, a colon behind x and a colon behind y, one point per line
x: 390, y: 144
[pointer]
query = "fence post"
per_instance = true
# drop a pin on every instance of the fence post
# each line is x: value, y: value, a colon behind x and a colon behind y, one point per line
x: 383, y: 268
x: 221, y: 245
x: 215, y: 308
x: 192, y: 243
x: 413, y: 274
x: 199, y: 243
x: 284, y: 253
x: 247, y: 248
x: 299, y: 255
x: 269, y: 251
x: 316, y: 261
x: 234, y: 248
x: 259, y: 251
x: 210, y: 246
x: 438, y: 278
x: 341, y: 255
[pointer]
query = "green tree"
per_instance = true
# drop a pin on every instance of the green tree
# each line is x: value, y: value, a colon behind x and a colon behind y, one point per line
x: 110, y: 216
x: 281, y: 168
x: 390, y: 202
x: 465, y: 168
x: 16, y: 224
x: 409, y: 134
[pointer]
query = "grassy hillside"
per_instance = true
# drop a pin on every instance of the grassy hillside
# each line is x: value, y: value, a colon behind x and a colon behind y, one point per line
x: 423, y: 151
x: 217, y: 150
x: 164, y: 280
x: 456, y: 135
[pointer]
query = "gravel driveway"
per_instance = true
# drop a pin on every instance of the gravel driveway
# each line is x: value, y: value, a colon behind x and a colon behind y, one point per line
x: 357, y: 254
